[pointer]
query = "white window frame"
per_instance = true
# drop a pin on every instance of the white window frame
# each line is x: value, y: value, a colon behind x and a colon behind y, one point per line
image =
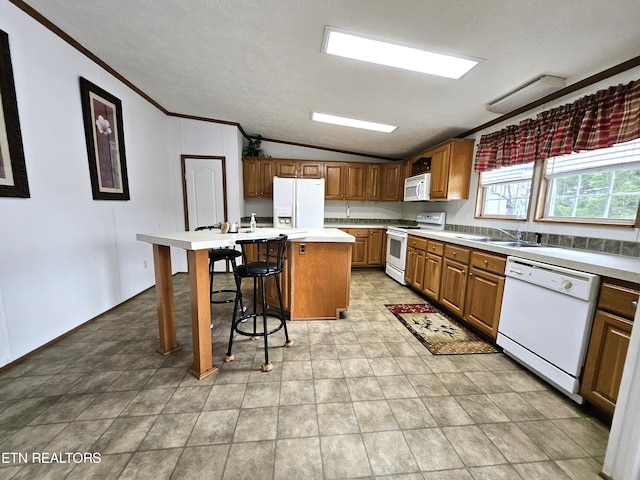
x: 615, y: 158
x: 504, y: 176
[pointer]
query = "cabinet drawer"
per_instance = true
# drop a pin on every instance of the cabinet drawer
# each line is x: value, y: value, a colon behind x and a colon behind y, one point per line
x: 618, y: 299
x: 437, y: 248
x: 359, y: 232
x: 459, y: 254
x: 417, y: 242
x: 488, y: 262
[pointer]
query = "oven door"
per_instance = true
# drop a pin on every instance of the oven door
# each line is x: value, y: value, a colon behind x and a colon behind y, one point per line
x: 396, y: 255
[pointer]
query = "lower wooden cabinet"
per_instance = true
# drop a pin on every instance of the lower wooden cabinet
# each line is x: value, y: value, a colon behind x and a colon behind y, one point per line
x: 608, y: 345
x: 376, y: 247
x: 368, y: 249
x: 432, y: 275
x: 606, y: 355
x: 484, y: 300
x: 485, y: 287
x: 453, y: 286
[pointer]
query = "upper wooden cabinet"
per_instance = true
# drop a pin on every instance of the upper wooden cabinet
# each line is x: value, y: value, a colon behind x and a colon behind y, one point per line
x: 257, y: 177
x: 287, y: 168
x: 392, y: 181
x: 334, y: 180
x: 374, y: 174
x: 357, y: 181
x: 450, y: 166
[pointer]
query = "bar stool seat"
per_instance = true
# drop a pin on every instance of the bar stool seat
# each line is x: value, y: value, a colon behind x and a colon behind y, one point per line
x: 216, y: 255
x: 269, y: 263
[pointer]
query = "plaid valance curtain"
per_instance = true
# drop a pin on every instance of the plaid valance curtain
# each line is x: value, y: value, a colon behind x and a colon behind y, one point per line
x: 596, y: 121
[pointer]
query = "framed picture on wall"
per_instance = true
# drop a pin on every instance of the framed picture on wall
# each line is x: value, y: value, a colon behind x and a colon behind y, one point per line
x: 13, y: 170
x: 102, y: 114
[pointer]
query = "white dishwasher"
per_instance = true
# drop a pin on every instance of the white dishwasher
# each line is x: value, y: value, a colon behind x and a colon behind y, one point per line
x: 546, y: 318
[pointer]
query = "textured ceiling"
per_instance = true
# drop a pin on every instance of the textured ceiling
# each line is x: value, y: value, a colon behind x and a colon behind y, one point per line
x: 258, y: 62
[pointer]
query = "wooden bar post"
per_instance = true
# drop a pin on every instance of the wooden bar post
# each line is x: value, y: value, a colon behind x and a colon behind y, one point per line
x: 164, y: 300
x: 198, y: 261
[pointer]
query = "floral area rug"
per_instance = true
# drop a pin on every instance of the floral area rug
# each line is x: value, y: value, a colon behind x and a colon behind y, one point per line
x: 439, y: 333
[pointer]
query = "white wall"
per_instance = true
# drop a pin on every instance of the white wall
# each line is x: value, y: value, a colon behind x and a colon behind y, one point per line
x: 64, y: 257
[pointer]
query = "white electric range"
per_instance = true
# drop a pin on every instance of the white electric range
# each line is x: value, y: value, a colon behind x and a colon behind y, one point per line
x: 397, y: 237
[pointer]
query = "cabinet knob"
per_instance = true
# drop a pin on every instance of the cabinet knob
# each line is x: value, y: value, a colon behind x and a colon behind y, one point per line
x: 454, y: 253
x: 634, y: 303
x: 471, y: 274
x: 463, y: 272
x: 486, y: 262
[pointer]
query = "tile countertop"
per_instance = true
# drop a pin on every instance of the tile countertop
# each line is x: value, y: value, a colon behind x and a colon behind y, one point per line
x: 613, y: 266
x: 206, y: 239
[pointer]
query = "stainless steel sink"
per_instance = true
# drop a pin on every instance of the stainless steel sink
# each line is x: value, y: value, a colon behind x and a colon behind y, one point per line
x: 515, y: 244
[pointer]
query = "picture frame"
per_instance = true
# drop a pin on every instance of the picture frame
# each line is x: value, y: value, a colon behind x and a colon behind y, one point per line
x: 104, y: 133
x: 13, y: 169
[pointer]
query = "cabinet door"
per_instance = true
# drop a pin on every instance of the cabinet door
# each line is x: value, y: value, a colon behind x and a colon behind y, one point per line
x: 432, y: 275
x: 453, y: 286
x: 359, y: 254
x: 484, y: 300
x: 440, y: 171
x: 373, y: 182
x: 267, y: 172
x: 419, y: 268
x: 391, y: 181
x: 410, y: 265
x: 605, y: 360
x: 287, y: 168
x: 374, y: 255
x: 310, y: 170
x: 355, y: 181
x: 334, y: 180
x: 251, y: 181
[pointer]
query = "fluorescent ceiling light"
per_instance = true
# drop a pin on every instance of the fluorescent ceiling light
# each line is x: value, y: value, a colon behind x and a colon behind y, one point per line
x: 369, y: 49
x: 532, y: 91
x: 351, y: 122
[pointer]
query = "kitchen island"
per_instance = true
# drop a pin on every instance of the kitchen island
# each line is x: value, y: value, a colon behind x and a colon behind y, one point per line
x: 317, y: 258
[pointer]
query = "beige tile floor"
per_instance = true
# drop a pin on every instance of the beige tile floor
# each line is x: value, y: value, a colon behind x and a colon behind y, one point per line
x: 355, y: 398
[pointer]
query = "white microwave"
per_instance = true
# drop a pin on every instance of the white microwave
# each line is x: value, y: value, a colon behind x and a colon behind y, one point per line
x: 417, y: 188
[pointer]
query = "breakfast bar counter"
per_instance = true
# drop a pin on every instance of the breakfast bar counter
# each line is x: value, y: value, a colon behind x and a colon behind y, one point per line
x: 309, y: 251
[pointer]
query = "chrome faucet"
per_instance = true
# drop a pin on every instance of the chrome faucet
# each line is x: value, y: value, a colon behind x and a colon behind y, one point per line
x: 517, y: 236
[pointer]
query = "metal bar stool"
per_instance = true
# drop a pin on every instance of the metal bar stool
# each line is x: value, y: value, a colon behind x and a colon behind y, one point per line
x: 269, y: 262
x: 216, y: 255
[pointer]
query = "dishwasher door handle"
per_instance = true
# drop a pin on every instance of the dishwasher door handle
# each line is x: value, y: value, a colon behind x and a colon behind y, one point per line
x: 516, y: 271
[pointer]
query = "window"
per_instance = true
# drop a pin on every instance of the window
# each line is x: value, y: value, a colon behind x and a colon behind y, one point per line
x: 598, y: 186
x: 505, y: 192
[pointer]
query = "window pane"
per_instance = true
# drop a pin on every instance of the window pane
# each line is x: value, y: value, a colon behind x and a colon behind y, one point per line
x: 595, y: 183
x: 627, y: 181
x: 563, y: 207
x: 591, y: 207
x: 624, y: 206
x: 566, y: 185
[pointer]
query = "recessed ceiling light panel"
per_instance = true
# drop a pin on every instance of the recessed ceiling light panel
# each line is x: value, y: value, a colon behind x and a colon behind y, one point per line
x: 368, y: 49
x: 351, y: 122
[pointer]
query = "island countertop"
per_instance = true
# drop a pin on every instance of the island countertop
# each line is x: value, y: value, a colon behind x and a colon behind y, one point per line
x: 206, y: 239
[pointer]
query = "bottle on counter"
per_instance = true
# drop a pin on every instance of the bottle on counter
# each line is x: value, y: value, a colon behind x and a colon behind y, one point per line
x: 252, y: 224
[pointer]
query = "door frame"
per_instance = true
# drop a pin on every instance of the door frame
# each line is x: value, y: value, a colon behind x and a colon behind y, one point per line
x: 183, y: 159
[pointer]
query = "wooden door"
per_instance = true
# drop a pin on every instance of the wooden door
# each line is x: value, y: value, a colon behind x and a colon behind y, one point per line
x: 605, y: 360
x: 372, y: 187
x: 204, y: 190
x: 334, y: 180
x: 392, y: 181
x: 440, y: 171
x: 419, y: 269
x: 355, y: 181
x: 484, y: 300
x: 454, y: 286
x: 251, y: 179
x: 267, y: 172
x: 376, y: 247
x: 432, y: 275
x: 287, y: 168
x: 310, y: 169
x: 410, y: 265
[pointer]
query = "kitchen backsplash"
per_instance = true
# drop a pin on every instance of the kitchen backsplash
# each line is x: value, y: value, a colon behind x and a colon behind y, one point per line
x: 616, y: 247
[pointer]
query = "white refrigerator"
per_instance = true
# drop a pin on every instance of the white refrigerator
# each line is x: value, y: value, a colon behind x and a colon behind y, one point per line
x: 298, y: 202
